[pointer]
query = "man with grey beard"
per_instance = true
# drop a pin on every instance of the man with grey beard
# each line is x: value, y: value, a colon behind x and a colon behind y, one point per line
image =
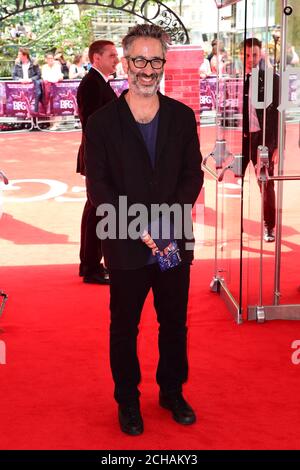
x: 144, y: 146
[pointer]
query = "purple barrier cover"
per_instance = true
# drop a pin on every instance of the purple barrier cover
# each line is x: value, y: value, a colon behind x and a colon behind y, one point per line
x: 233, y: 89
x: 19, y: 101
x: 63, y: 100
x: 2, y: 98
x: 230, y: 93
x: 119, y: 85
x: 63, y: 96
x: 208, y: 88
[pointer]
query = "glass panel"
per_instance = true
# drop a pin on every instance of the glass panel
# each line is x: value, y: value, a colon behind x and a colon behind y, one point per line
x: 272, y: 266
x: 288, y: 276
x: 225, y: 64
x: 267, y: 272
x: 261, y: 84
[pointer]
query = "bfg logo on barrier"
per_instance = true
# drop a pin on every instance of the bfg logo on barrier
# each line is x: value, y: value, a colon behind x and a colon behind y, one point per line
x: 66, y: 104
x: 2, y: 353
x: 204, y: 99
x: 19, y: 106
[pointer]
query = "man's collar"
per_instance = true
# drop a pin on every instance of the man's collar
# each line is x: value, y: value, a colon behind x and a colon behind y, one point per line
x: 102, y: 75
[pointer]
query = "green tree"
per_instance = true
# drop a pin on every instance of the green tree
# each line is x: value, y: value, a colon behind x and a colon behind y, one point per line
x: 51, y: 29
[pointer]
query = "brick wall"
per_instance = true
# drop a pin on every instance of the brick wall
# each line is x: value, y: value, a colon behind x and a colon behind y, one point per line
x: 182, y: 75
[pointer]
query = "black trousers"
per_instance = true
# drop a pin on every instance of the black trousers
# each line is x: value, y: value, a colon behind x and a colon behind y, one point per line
x: 128, y: 291
x: 90, y: 245
x: 250, y: 145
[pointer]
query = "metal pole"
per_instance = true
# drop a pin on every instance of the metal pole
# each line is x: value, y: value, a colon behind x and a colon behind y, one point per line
x: 216, y: 230
x: 263, y: 183
x: 281, y: 158
x: 284, y: 178
x: 260, y: 299
x: 220, y: 130
x: 242, y: 186
x: 265, y: 74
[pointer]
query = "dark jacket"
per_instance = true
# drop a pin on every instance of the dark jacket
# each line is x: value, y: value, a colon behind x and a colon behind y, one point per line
x: 272, y: 112
x: 118, y: 164
x: 34, y: 72
x: 93, y: 93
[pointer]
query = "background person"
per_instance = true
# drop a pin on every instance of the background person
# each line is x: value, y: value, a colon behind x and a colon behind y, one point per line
x: 64, y: 65
x: 26, y: 71
x: 51, y: 73
x: 292, y: 56
x: 204, y: 69
x: 93, y: 92
x: 51, y: 70
x: 253, y: 127
x: 85, y: 59
x: 217, y: 61
x: 76, y: 69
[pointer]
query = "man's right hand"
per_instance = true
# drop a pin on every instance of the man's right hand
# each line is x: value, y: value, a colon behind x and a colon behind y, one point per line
x: 148, y: 240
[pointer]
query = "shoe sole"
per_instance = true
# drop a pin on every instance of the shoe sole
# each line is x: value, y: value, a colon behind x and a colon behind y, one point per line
x: 132, y: 433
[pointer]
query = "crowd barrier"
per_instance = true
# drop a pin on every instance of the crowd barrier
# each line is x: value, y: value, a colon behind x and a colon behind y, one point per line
x: 230, y: 104
x: 19, y: 103
x: 230, y: 101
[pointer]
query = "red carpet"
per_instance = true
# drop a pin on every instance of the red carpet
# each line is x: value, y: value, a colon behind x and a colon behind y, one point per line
x: 56, y: 387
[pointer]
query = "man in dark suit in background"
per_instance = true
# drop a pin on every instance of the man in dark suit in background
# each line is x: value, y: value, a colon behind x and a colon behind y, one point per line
x: 94, y: 92
x: 144, y: 147
x: 253, y: 127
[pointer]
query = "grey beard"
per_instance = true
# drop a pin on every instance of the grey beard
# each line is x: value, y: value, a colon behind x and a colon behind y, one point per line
x: 145, y: 90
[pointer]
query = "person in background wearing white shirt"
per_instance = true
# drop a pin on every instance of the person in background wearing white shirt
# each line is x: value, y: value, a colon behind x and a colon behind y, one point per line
x: 64, y: 65
x: 204, y: 69
x: 51, y: 71
x: 26, y: 71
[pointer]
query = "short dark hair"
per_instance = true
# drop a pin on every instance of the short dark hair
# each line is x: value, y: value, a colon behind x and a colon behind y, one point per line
x: 24, y: 51
x: 97, y: 47
x: 146, y: 30
x: 250, y: 42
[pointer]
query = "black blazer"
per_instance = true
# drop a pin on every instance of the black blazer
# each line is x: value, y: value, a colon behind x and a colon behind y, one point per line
x: 93, y: 93
x: 118, y: 164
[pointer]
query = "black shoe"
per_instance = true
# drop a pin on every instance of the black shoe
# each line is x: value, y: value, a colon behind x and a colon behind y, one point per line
x: 269, y: 235
x: 130, y: 419
x: 96, y: 279
x: 181, y: 410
